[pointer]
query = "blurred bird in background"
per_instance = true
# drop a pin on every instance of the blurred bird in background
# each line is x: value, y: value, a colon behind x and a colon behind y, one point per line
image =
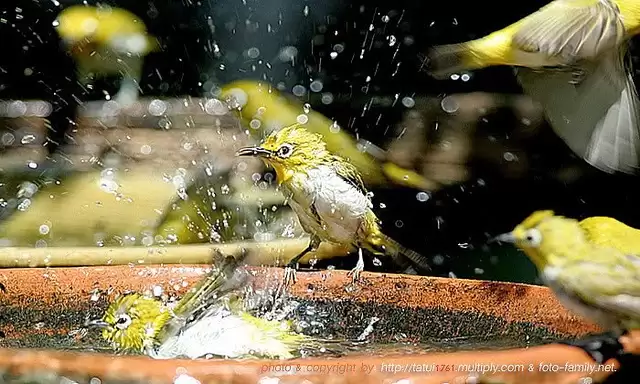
x: 107, y: 41
x: 571, y: 59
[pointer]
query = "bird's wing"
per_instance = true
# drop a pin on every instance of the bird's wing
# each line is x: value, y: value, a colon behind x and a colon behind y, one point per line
x: 350, y: 174
x: 612, y: 287
x: 595, y: 113
x: 225, y: 277
x: 571, y: 29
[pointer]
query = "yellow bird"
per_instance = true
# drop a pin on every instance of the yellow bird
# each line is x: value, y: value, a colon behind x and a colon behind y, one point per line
x: 595, y: 280
x: 571, y: 59
x: 212, y: 318
x: 328, y: 195
x: 106, y: 41
x: 607, y: 231
x: 263, y: 108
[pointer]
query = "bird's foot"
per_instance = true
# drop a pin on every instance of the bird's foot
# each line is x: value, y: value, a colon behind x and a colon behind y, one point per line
x: 601, y: 347
x: 289, y: 275
x: 356, y: 271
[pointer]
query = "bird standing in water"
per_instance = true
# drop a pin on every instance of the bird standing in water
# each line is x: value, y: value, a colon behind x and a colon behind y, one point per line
x: 570, y: 56
x: 327, y: 194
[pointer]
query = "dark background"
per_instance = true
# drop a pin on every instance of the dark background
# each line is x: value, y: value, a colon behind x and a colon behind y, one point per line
x: 454, y: 223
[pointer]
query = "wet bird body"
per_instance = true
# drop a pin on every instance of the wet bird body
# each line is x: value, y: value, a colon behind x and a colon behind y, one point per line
x: 598, y: 282
x: 328, y: 196
x: 209, y: 320
x: 106, y: 41
x: 570, y: 56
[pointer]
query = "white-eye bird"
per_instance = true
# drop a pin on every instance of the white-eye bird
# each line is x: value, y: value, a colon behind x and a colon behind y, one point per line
x: 570, y: 56
x: 600, y: 283
x: 327, y: 194
x: 209, y: 320
x: 106, y: 41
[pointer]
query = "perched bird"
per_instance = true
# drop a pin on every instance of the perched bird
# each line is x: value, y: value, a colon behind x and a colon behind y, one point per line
x: 106, y: 41
x: 607, y: 231
x: 327, y: 194
x: 598, y: 282
x: 209, y: 320
x: 570, y: 56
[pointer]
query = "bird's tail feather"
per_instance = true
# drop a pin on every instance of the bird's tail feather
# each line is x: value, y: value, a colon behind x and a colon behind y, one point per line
x: 444, y: 60
x: 384, y: 244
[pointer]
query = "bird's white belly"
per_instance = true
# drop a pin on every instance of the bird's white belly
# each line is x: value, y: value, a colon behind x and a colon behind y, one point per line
x: 220, y: 335
x: 573, y: 303
x: 339, y: 205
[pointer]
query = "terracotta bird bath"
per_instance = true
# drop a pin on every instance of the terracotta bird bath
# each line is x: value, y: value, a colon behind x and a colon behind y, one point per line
x: 462, y: 327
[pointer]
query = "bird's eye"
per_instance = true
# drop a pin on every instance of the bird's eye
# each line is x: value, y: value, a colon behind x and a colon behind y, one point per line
x: 533, y: 237
x: 285, y: 151
x: 123, y: 321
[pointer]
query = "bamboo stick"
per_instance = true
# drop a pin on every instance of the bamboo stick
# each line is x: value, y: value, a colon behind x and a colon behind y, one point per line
x: 276, y: 253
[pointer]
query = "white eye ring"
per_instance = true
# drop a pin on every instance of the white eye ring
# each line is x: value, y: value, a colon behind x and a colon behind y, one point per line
x: 533, y: 237
x: 123, y: 321
x: 285, y: 151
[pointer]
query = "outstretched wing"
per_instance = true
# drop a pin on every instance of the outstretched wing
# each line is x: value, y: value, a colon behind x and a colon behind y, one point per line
x: 572, y: 29
x: 225, y: 277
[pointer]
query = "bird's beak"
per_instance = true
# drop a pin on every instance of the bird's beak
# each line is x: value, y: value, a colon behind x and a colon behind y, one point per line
x: 504, y: 238
x: 253, y: 151
x: 96, y: 323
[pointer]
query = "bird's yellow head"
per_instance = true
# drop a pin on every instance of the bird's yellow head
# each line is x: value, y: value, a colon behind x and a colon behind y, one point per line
x: 289, y: 150
x: 547, y: 238
x: 84, y: 28
x: 132, y: 322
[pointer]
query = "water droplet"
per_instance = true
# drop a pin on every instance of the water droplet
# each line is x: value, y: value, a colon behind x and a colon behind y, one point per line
x: 408, y: 102
x: 334, y: 128
x: 327, y: 98
x: 316, y: 86
x: 508, y: 156
x: 385, y: 19
x: 302, y: 119
x: 449, y: 104
x: 255, y: 124
x: 422, y: 196
x: 157, y: 107
x: 306, y: 107
x: 392, y: 40
x: 44, y: 229
x: 299, y: 90
x: 253, y: 53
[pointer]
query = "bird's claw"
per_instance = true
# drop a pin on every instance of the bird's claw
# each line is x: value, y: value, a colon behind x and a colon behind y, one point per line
x: 355, y: 272
x: 289, y: 275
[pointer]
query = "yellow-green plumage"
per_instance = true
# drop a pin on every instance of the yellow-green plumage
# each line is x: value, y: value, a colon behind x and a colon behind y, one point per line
x: 607, y: 231
x: 327, y: 194
x: 570, y: 56
x: 106, y: 41
x: 597, y: 281
x: 208, y: 320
